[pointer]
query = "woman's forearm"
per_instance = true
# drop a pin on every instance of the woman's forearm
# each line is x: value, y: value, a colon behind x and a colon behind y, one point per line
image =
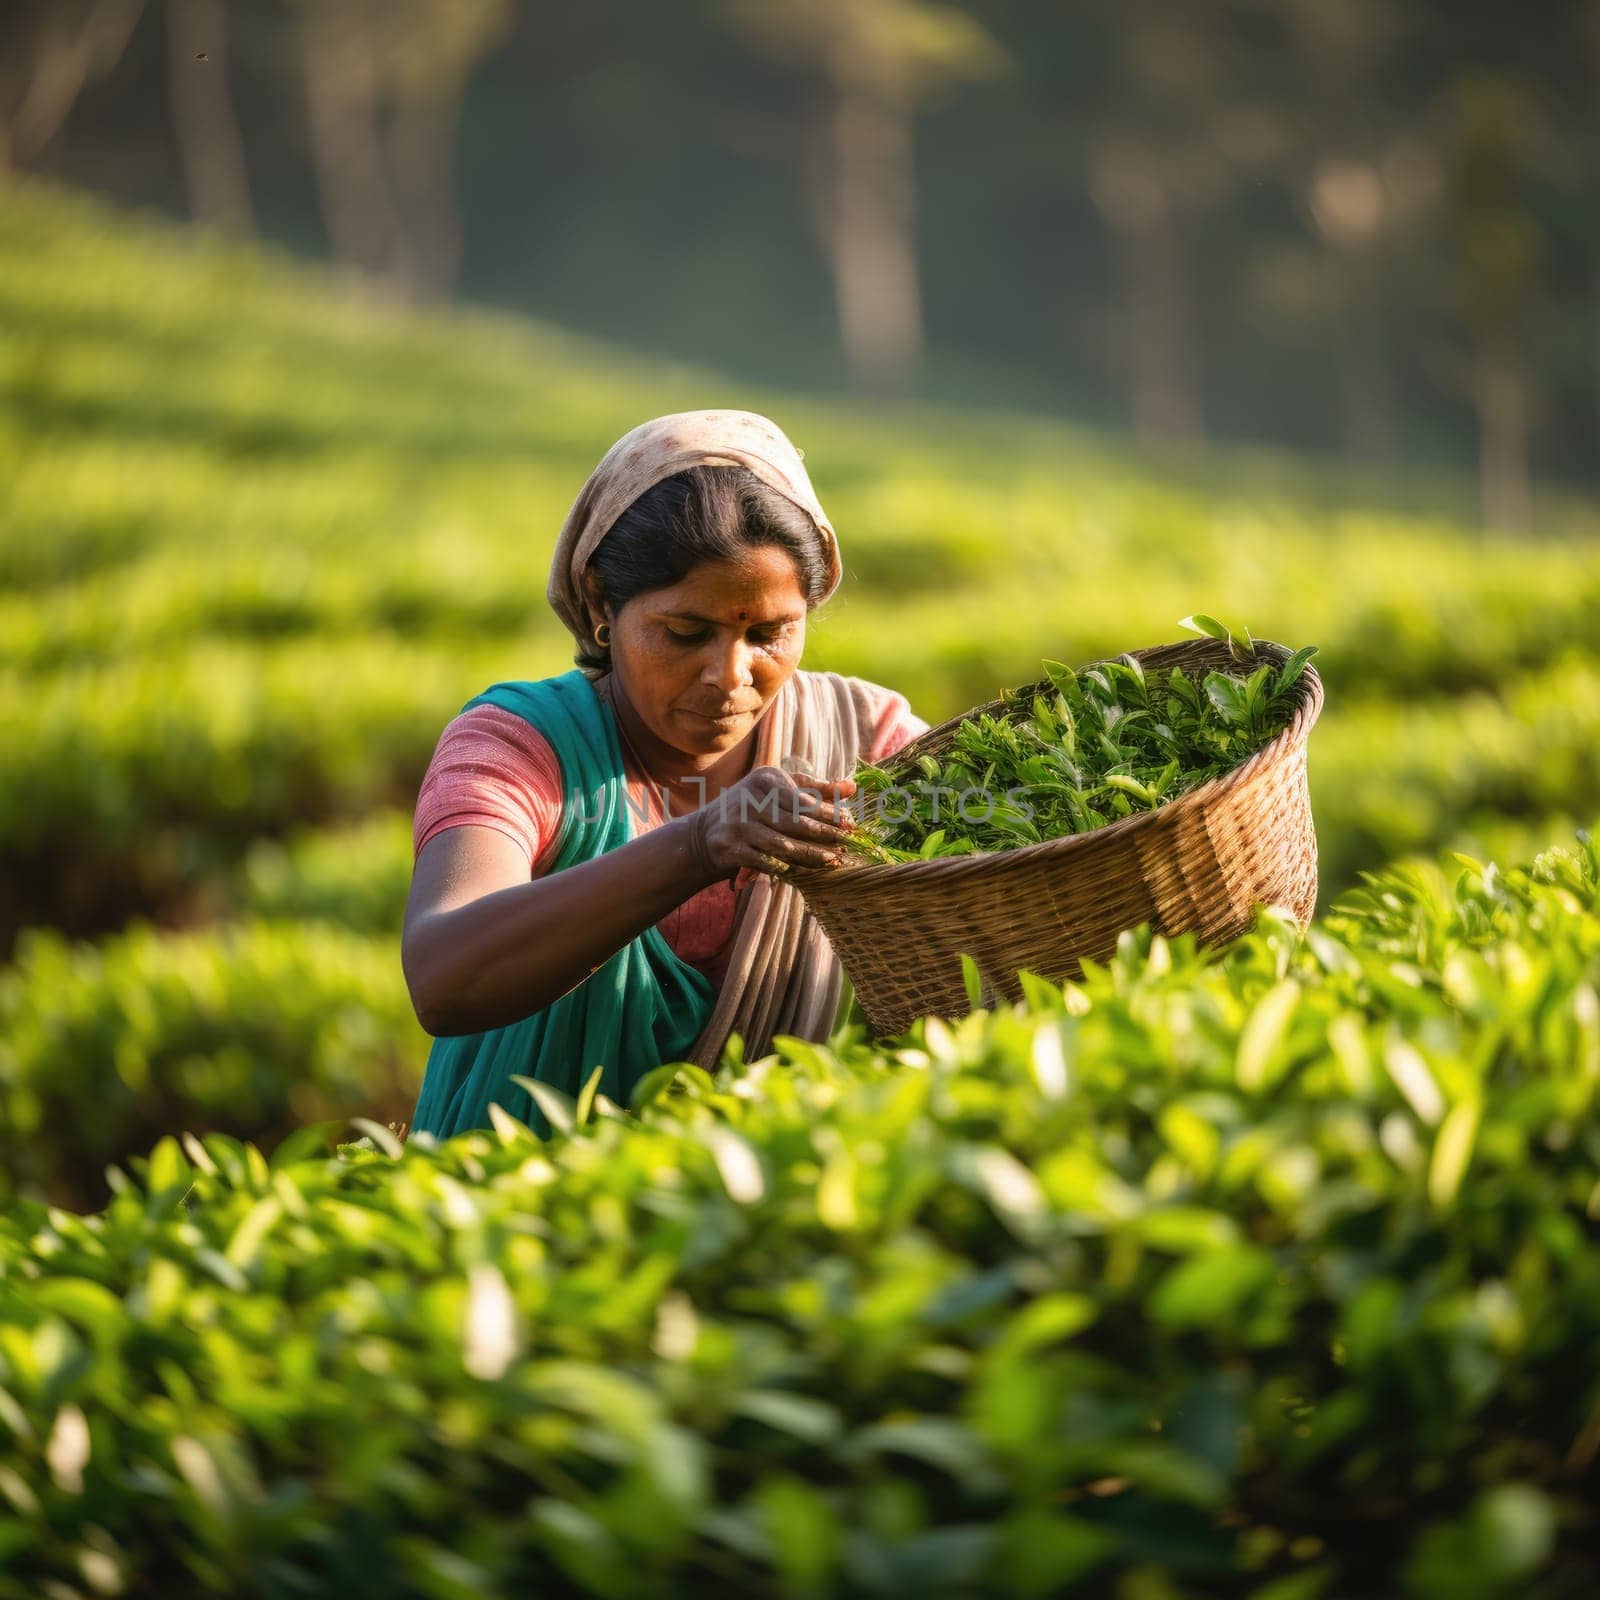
x: 505, y: 955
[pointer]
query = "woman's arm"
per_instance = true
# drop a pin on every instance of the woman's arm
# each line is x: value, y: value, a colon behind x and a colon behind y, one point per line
x: 483, y: 945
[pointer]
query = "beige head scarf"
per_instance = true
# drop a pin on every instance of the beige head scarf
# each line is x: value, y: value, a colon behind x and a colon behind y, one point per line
x: 654, y: 450
x: 783, y: 977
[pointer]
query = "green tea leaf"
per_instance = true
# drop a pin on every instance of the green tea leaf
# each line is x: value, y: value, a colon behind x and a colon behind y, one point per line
x: 1209, y: 1289
x: 972, y: 982
x: 381, y: 1136
x: 802, y: 1415
x: 558, y: 1108
x: 1452, y: 1152
x: 586, y: 1096
x: 1292, y: 669
x: 1262, y: 1036
x: 1208, y: 626
x: 167, y: 1169
x: 651, y: 1086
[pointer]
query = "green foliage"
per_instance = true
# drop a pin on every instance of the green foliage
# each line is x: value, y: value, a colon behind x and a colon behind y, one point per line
x: 140, y: 775
x: 1072, y: 752
x: 1266, y: 1273
x: 1163, y: 1282
x: 357, y: 875
x: 261, y: 538
x: 1390, y: 779
x: 250, y: 1029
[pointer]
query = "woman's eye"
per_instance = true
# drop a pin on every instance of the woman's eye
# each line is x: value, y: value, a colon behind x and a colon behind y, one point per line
x: 760, y: 636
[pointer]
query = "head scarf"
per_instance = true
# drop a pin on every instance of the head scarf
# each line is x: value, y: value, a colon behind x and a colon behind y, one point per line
x: 654, y: 450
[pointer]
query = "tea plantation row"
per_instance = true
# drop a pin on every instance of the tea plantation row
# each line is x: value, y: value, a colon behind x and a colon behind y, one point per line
x: 1268, y: 1274
x: 262, y: 539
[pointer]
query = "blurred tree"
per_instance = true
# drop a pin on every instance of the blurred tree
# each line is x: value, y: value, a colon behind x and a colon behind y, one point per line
x: 1590, y: 140
x: 1181, y: 212
x: 343, y: 90
x: 53, y: 49
x: 431, y: 50
x: 1362, y: 208
x: 384, y: 82
x: 1493, y: 124
x: 1357, y: 175
x: 209, y: 144
x: 1179, y: 126
x: 880, y: 60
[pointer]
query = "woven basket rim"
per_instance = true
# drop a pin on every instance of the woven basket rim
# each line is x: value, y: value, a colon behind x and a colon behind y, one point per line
x: 1307, y: 709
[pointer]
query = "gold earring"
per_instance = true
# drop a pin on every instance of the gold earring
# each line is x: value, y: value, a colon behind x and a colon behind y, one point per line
x: 603, y: 628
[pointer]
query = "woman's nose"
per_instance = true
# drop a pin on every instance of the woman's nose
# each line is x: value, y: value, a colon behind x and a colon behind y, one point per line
x: 729, y: 666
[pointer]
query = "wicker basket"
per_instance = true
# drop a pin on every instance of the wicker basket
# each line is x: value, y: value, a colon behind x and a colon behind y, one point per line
x: 1199, y: 863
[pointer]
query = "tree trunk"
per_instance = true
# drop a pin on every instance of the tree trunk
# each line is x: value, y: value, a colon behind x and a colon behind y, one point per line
x: 1166, y: 409
x: 1596, y: 314
x: 342, y: 92
x: 868, y: 238
x: 1500, y: 393
x: 422, y: 148
x: 69, y: 58
x: 209, y: 145
x: 1371, y: 416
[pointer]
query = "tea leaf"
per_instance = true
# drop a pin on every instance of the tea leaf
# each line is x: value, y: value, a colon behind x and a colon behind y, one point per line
x: 586, y: 1096
x: 972, y: 982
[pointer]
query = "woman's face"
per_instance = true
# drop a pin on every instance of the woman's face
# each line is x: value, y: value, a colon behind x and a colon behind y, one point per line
x: 702, y: 660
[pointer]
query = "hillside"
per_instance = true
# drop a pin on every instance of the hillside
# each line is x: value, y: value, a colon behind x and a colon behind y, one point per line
x: 261, y: 536
x: 1264, y: 1273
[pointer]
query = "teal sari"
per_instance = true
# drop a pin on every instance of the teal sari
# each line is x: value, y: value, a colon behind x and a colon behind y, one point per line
x: 643, y: 1007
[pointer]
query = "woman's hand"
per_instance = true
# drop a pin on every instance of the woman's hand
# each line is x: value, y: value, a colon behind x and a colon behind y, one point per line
x: 771, y: 820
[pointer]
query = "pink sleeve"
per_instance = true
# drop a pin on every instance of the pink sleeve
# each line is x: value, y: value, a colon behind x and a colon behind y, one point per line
x: 492, y: 769
x: 894, y: 723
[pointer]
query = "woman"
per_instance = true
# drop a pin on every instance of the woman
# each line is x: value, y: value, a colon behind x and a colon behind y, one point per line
x: 600, y: 854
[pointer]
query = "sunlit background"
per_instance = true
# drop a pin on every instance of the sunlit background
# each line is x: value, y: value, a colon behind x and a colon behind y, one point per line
x: 314, y: 317
x: 1369, y: 229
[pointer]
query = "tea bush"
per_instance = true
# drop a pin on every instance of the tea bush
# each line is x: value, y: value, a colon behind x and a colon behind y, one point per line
x: 260, y: 538
x: 1265, y: 1273
x: 250, y: 1029
x: 1387, y: 779
x: 137, y: 778
x: 357, y: 875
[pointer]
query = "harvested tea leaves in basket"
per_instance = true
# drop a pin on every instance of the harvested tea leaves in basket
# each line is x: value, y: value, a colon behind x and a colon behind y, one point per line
x: 1100, y: 744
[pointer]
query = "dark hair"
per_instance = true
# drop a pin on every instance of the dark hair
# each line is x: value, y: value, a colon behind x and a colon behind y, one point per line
x: 703, y: 513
